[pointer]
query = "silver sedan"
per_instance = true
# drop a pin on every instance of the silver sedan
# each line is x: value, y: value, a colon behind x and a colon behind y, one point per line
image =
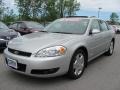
x: 64, y: 47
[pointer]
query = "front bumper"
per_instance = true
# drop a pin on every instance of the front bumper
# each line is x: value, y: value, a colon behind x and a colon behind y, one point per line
x: 39, y: 67
x: 4, y: 42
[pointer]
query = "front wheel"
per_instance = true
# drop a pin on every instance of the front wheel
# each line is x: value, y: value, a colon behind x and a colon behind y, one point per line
x: 77, y: 65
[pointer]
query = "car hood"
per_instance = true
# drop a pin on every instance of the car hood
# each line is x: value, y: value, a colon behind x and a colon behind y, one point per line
x: 37, y: 41
x: 9, y: 33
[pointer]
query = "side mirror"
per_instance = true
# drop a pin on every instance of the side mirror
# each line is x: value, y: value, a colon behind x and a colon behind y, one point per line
x: 94, y: 31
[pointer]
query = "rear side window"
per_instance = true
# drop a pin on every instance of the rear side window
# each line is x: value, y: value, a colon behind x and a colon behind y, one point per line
x: 21, y: 25
x: 103, y: 26
x: 13, y: 26
x: 108, y: 26
x: 95, y: 25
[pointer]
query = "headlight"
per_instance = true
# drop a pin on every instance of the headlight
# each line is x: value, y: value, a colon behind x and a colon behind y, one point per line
x: 2, y: 39
x: 51, y: 52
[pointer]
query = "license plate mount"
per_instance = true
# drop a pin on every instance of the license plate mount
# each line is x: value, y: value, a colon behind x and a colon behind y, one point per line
x: 12, y: 63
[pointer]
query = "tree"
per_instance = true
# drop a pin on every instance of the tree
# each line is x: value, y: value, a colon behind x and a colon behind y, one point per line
x: 51, y: 10
x: 24, y: 9
x: 61, y: 8
x: 46, y: 10
x: 1, y: 9
x: 36, y: 8
x: 9, y: 17
x: 114, y: 18
x: 67, y: 7
x: 72, y: 7
x: 29, y: 9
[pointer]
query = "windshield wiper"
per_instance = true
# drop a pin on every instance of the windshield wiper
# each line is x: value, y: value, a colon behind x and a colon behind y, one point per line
x: 63, y: 32
x: 43, y: 31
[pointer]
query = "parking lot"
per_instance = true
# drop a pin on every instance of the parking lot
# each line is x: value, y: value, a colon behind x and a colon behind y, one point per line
x: 102, y: 73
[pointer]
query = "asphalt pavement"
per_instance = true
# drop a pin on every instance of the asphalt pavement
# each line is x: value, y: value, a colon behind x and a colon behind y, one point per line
x: 102, y: 73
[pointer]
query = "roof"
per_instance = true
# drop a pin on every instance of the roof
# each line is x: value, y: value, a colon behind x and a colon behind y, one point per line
x: 24, y: 21
x: 82, y: 17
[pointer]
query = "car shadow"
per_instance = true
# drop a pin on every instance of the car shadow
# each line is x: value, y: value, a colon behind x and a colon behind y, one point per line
x: 101, y: 58
x: 36, y: 80
x: 96, y: 60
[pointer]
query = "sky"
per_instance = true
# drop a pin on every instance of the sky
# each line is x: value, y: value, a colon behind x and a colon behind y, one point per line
x: 88, y: 7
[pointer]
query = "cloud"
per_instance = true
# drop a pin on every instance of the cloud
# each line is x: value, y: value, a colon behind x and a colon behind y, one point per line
x: 106, y: 5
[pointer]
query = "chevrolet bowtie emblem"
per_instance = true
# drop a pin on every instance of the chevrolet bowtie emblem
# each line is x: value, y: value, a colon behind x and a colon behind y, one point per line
x: 8, y: 38
x: 16, y: 52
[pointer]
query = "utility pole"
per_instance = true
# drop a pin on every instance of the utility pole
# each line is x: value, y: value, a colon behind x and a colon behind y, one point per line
x: 99, y: 9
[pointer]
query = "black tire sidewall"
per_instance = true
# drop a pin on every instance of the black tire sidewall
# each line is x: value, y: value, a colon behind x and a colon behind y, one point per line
x: 108, y: 53
x: 71, y: 69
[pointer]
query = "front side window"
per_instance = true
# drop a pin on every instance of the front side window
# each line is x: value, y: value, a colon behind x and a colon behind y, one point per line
x: 34, y: 25
x: 95, y: 25
x: 13, y: 26
x: 21, y: 26
x: 103, y: 26
x: 68, y: 25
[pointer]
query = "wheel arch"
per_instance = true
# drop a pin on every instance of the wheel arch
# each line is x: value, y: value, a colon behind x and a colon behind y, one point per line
x: 85, y: 50
x: 113, y: 39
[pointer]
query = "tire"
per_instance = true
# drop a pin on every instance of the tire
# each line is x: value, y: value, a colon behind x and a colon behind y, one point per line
x: 77, y: 65
x: 111, y: 49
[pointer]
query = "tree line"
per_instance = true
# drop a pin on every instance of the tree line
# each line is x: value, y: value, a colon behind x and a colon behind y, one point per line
x: 39, y: 10
x: 114, y: 18
x: 43, y: 10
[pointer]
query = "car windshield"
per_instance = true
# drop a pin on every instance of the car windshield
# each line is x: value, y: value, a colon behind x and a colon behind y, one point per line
x: 68, y: 25
x: 34, y: 25
x: 3, y: 26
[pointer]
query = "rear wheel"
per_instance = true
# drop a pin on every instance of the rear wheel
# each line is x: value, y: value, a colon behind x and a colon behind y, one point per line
x: 77, y: 65
x: 111, y: 49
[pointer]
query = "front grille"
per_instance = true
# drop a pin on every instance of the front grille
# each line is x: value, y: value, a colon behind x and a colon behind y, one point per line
x: 3, y: 45
x: 13, y: 36
x: 44, y: 71
x: 21, y: 53
x: 21, y: 67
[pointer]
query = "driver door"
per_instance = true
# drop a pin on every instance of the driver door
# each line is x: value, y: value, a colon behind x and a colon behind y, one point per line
x: 95, y: 41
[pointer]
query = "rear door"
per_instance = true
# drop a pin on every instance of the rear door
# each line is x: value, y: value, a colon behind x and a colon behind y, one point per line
x: 106, y: 33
